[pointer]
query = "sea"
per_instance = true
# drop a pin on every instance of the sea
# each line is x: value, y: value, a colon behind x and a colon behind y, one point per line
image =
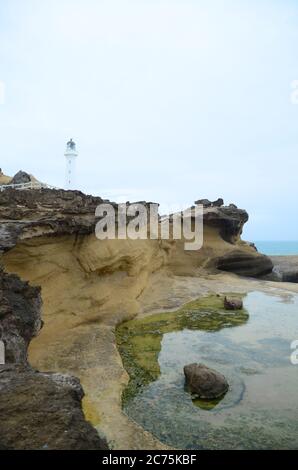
x: 277, y: 248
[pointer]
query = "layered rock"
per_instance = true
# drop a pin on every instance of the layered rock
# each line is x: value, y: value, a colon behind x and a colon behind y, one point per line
x: 204, y: 382
x: 29, y: 214
x: 21, y: 177
x: 232, y: 303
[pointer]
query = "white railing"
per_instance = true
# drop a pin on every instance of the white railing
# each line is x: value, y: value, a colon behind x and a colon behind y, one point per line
x: 29, y: 185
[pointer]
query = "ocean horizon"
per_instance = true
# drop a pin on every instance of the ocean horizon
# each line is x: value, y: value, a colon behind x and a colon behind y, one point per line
x: 277, y: 248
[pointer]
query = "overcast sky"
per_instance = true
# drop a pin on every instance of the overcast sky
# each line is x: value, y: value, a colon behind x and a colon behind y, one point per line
x: 168, y: 101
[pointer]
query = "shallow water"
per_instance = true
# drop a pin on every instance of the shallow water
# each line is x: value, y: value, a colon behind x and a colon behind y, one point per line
x: 260, y: 410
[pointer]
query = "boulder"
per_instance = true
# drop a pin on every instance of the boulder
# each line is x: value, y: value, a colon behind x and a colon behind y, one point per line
x: 205, y: 383
x: 251, y: 264
x: 233, y: 304
x: 38, y: 410
x: 206, y: 203
x: 21, y: 177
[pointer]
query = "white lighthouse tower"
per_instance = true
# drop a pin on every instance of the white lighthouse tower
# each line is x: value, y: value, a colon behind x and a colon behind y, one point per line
x: 70, y: 155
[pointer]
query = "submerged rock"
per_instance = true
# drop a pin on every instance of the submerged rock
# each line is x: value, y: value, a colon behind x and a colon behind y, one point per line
x: 204, y: 382
x: 233, y: 304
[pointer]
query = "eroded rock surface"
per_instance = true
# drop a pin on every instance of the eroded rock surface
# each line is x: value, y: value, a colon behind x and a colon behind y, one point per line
x: 233, y: 304
x: 89, y: 286
x: 32, y: 213
x: 21, y: 177
x: 285, y: 268
x: 48, y: 212
x: 38, y: 411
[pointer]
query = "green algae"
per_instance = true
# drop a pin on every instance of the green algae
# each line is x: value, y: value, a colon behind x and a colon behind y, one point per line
x: 139, y: 341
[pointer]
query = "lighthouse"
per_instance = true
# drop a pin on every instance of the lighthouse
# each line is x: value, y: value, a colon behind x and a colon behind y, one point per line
x: 70, y: 155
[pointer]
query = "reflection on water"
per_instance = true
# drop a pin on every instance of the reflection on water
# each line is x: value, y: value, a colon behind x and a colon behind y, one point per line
x: 260, y: 409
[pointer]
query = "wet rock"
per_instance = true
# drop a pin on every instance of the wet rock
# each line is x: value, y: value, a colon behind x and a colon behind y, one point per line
x: 205, y: 383
x: 233, y: 304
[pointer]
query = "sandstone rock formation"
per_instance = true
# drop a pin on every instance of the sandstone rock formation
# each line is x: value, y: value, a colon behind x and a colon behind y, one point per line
x: 206, y: 203
x: 21, y: 177
x: 89, y: 286
x: 228, y: 220
x: 245, y: 264
x: 29, y: 214
x: 38, y: 411
x: 285, y: 269
x: 205, y: 383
